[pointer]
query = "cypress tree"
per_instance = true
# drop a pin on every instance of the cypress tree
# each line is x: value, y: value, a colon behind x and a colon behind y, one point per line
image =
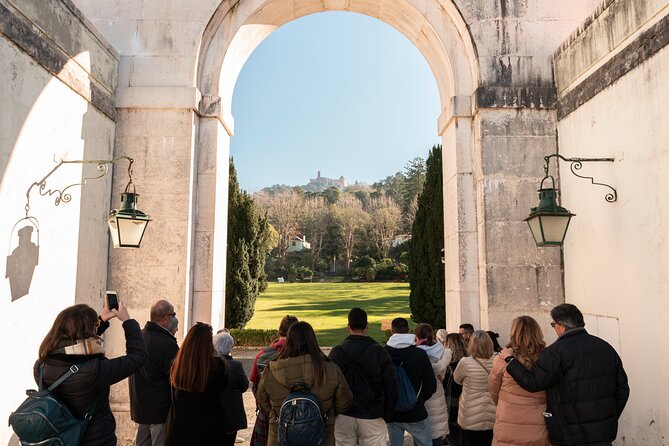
x: 248, y: 231
x: 426, y: 272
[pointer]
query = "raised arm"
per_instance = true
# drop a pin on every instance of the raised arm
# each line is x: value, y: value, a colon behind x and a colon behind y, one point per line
x: 115, y: 370
x: 545, y: 372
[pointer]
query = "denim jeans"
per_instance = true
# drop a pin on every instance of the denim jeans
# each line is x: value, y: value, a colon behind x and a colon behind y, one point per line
x: 420, y: 431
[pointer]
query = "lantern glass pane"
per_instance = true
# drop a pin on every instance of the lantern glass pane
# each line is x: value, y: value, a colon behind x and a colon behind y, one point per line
x: 555, y: 227
x: 131, y: 231
x: 535, y: 227
x: 113, y: 231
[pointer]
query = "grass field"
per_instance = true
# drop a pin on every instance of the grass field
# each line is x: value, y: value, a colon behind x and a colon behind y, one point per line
x: 325, y: 306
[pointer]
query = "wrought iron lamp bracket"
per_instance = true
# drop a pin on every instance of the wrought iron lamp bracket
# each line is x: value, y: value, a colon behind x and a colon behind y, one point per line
x: 62, y: 196
x: 576, y: 165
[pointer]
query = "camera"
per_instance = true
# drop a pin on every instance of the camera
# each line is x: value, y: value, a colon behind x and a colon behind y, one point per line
x: 112, y: 300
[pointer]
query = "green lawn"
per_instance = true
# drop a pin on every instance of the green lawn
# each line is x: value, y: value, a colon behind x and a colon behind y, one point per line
x: 326, y: 305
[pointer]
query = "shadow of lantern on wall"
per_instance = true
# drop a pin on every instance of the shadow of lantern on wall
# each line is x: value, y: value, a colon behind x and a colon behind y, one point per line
x: 549, y: 221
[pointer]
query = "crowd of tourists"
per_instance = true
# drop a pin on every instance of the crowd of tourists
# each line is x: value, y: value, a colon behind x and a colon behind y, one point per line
x: 441, y: 388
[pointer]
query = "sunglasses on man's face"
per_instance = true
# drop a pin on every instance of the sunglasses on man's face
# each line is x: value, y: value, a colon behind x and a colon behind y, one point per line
x: 553, y: 324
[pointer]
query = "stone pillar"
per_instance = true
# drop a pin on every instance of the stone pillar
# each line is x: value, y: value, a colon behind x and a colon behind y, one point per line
x: 161, y: 139
x: 212, y: 215
x: 460, y: 236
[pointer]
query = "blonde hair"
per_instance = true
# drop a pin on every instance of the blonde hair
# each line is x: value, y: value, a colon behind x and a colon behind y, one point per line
x: 480, y: 345
x: 527, y: 339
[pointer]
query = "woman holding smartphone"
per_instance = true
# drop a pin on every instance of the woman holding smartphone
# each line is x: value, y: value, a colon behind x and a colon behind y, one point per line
x: 74, y: 339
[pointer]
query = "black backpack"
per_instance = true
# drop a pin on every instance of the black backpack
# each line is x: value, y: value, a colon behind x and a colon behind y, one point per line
x: 42, y: 419
x: 300, y: 420
x: 406, y: 394
x: 363, y: 394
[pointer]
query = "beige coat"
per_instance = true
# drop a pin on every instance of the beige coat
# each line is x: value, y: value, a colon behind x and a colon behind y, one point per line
x: 519, y: 420
x: 334, y: 396
x: 476, y: 411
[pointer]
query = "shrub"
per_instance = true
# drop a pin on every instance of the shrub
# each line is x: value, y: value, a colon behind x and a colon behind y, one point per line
x: 254, y: 337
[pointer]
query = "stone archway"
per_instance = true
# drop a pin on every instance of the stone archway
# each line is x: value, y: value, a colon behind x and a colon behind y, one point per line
x: 438, y: 30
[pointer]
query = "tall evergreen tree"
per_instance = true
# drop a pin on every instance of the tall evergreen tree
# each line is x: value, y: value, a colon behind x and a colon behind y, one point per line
x: 426, y: 272
x: 248, y: 234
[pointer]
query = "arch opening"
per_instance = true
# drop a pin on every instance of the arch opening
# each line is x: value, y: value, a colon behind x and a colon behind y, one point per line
x: 437, y: 30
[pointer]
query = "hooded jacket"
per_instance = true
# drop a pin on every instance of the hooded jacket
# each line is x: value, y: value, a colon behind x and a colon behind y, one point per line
x: 334, y: 395
x: 377, y: 367
x: 586, y: 388
x: 150, y: 386
x: 418, y: 368
x: 519, y: 420
x: 437, y: 411
x: 91, y: 383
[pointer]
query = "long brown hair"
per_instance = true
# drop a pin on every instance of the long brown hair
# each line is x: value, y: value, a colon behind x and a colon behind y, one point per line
x: 74, y: 323
x: 424, y: 331
x: 195, y: 360
x: 457, y: 345
x: 527, y: 339
x: 302, y: 341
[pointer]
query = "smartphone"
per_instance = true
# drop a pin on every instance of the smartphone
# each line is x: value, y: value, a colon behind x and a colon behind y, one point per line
x: 112, y: 300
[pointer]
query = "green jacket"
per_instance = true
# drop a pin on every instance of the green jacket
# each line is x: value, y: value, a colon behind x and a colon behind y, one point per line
x: 334, y: 395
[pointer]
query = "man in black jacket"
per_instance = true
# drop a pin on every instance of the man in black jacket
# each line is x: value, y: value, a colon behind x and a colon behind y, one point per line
x: 584, y: 379
x: 415, y: 362
x: 150, y: 397
x: 371, y: 375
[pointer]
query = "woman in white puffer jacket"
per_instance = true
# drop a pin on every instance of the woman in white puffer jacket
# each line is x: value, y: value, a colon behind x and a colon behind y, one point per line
x: 476, y: 411
x: 440, y: 358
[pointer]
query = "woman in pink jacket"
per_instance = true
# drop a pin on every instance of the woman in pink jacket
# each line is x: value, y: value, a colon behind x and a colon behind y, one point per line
x: 519, y: 419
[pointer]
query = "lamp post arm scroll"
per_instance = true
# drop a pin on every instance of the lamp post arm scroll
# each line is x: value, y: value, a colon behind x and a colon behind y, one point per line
x: 62, y: 194
x: 577, y: 164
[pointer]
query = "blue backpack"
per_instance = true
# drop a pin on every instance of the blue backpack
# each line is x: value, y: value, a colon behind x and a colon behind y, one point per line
x: 406, y: 395
x: 300, y: 420
x: 42, y: 419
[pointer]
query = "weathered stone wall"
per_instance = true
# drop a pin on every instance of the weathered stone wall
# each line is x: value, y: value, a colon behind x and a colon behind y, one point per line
x: 515, y: 127
x: 56, y: 102
x: 613, y: 89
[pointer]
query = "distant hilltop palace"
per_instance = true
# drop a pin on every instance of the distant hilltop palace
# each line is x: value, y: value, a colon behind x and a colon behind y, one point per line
x: 320, y: 183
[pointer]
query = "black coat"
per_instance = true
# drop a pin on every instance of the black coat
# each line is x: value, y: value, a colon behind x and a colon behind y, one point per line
x: 417, y: 366
x: 234, y: 414
x: 150, y: 386
x: 586, y: 387
x: 195, y: 417
x: 92, y: 382
x: 377, y: 367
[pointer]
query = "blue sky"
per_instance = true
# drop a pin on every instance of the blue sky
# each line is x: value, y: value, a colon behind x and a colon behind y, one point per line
x: 338, y: 92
